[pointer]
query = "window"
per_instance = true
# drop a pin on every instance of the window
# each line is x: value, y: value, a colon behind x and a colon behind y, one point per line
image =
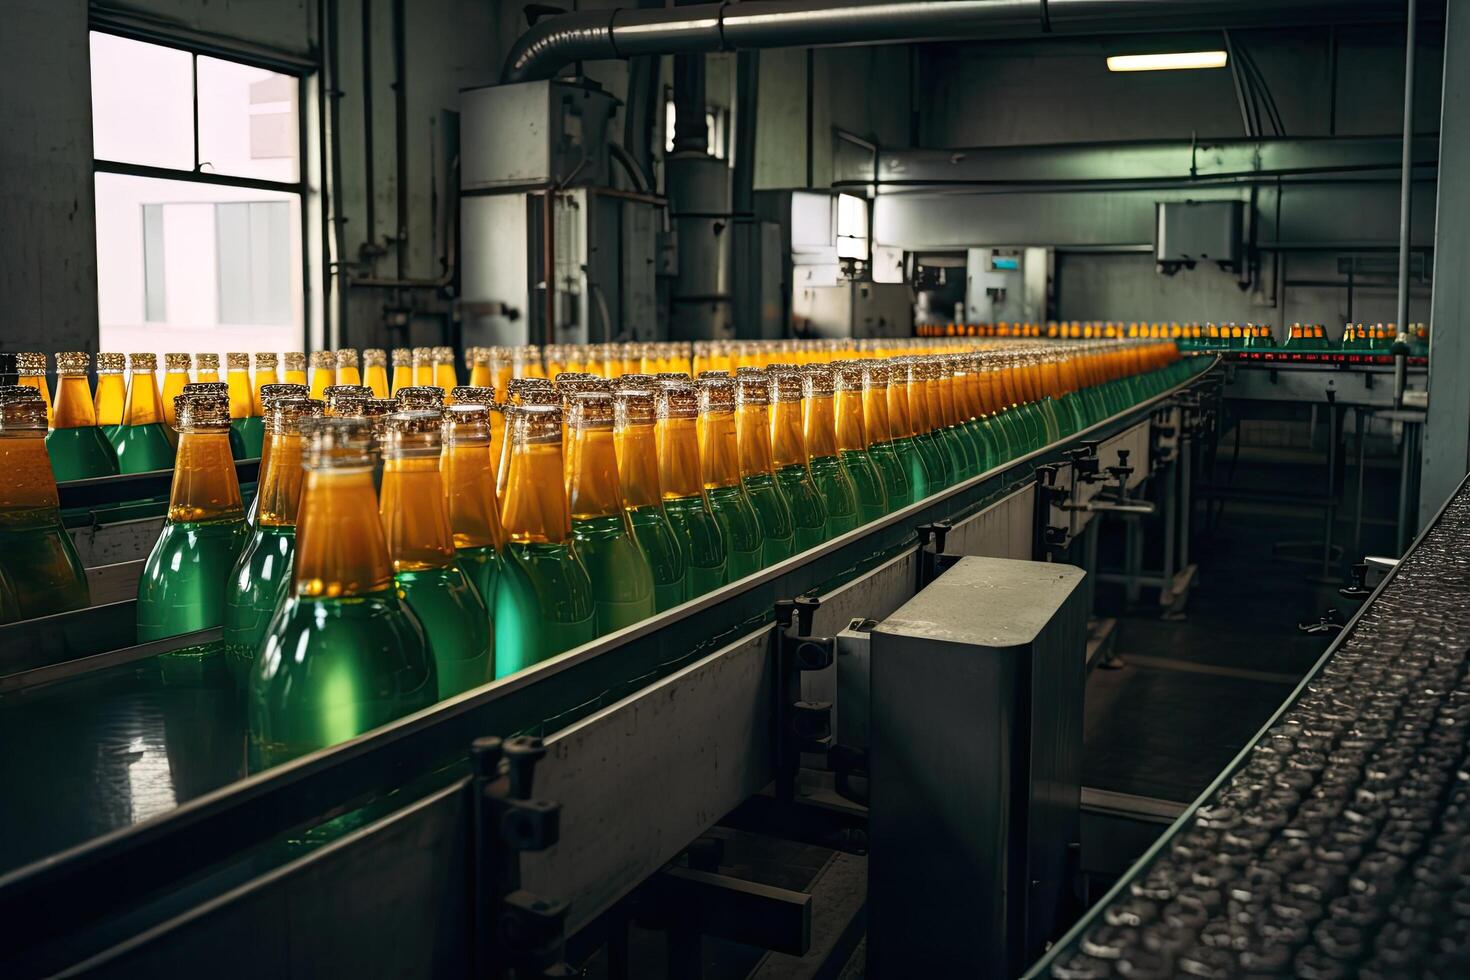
x: 199, y: 201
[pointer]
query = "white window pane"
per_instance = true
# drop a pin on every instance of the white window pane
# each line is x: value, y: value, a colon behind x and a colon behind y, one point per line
x: 213, y: 253
x: 247, y: 121
x: 142, y: 103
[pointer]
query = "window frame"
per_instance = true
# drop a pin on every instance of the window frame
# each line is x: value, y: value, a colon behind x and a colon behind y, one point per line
x: 301, y: 70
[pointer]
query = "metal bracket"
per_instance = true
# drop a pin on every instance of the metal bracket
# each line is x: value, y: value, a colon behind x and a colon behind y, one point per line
x: 1047, y: 538
x: 1357, y: 589
x: 801, y: 726
x: 933, y: 562
x: 516, y: 932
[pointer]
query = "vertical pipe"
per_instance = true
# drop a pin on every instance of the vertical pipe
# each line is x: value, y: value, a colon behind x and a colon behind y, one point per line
x: 811, y: 122
x: 548, y: 260
x: 1406, y: 190
x: 370, y: 230
x: 400, y: 114
x: 691, y: 133
x: 747, y: 88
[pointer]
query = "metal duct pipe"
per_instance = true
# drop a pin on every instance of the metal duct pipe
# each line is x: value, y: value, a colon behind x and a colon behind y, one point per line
x: 556, y: 42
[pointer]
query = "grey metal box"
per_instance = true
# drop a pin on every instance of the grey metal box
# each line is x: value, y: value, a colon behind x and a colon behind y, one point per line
x: 853, y: 309
x: 1199, y: 231
x: 976, y: 724
x: 534, y: 133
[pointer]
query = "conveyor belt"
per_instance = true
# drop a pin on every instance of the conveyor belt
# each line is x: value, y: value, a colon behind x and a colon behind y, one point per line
x: 1338, y: 843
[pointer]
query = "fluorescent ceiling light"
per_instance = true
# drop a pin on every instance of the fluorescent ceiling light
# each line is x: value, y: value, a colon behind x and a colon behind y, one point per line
x: 1166, y: 62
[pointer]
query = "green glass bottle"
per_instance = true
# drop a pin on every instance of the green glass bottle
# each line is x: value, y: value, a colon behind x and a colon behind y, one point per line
x: 184, y: 580
x: 269, y: 394
x: 468, y: 470
x: 79, y: 450
x: 931, y: 448
x: 757, y: 470
x: 694, y: 524
x: 719, y: 461
x: 246, y: 427
x: 622, y: 580
x: 143, y: 444
x: 788, y: 455
x: 544, y: 603
x: 112, y: 395
x: 636, y: 442
x: 852, y: 441
x: 261, y: 578
x: 883, y: 436
x: 37, y: 557
x: 921, y: 478
x: 964, y: 453
x: 415, y: 513
x: 344, y: 654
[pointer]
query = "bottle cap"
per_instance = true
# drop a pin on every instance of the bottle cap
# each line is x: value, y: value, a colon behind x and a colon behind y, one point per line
x: 476, y: 355
x: 420, y: 397
x: 347, y: 357
x: 519, y: 386
x: 640, y: 381
x: 72, y: 362
x: 534, y: 423
x: 816, y: 381
x: 414, y: 433
x: 473, y: 395
x: 672, y: 377
x: 423, y: 355
x: 143, y: 362
x: 633, y: 406
x: 340, y: 444
x: 677, y: 400
x: 540, y: 396
x: 783, y: 383
x: 322, y: 360
x: 716, y: 393
x: 590, y: 409
x: 110, y: 362
x: 236, y: 361
x: 402, y: 357
x: 206, y: 362
x: 178, y: 362
x: 265, y: 360
x: 345, y: 399
x: 196, y: 411
x: 22, y: 413
x: 207, y: 388
x: 442, y: 355
x: 270, y: 392
x: 288, y: 414
x: 751, y: 388
x: 462, y: 417
x: 374, y: 357
x: 30, y: 362
x: 377, y: 408
x: 294, y: 360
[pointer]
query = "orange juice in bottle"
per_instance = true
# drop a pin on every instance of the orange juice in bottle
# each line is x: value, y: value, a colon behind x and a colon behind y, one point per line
x: 79, y: 450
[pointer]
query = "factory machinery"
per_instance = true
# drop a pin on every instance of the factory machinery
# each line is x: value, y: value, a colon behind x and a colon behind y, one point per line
x: 519, y: 826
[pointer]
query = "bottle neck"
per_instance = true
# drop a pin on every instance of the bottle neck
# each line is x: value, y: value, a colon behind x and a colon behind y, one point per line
x: 788, y: 446
x: 321, y: 380
x: 819, y: 426
x: 27, y: 487
x: 875, y: 415
x: 593, y: 486
x: 205, y: 488
x: 414, y: 513
x: 753, y: 438
x: 341, y: 550
x: 112, y: 397
x: 678, y: 458
x: 242, y: 406
x: 142, y: 406
x: 296, y: 377
x: 900, y: 419
x: 949, y: 412
x: 852, y: 433
x: 469, y: 486
x: 281, y: 479
x: 349, y: 375
x: 719, y: 458
x: 263, y: 377
x: 637, y: 452
x: 74, y: 408
x: 208, y: 376
x: 919, y: 406
x: 534, y: 505
x: 402, y: 377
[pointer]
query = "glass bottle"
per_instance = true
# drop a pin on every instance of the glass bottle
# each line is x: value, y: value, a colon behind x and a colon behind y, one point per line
x: 477, y: 359
x: 719, y: 462
x: 142, y: 443
x: 79, y: 450
x: 901, y: 431
x: 415, y: 513
x: 892, y: 471
x: 402, y: 371
x: 758, y: 470
x: 444, y: 374
x: 323, y: 372
x: 30, y: 371
x: 177, y: 372
x: 788, y: 455
x: 956, y: 397
x: 295, y: 365
x: 543, y: 605
x: 636, y: 444
x: 206, y: 368
x: 265, y: 374
x: 247, y: 428
x: 37, y: 558
x: 348, y: 372
x: 259, y: 582
x: 937, y: 395
x: 346, y: 401
x: 926, y: 440
x: 469, y: 488
x: 375, y: 371
x: 695, y: 527
x: 622, y: 579
x: 852, y: 441
x: 112, y: 394
x: 423, y: 366
x: 485, y: 397
x: 997, y: 444
x: 182, y: 588
x: 344, y: 654
x: 819, y: 431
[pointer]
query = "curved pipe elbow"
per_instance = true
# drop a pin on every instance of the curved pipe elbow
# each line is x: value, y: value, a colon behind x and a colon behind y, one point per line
x: 559, y: 41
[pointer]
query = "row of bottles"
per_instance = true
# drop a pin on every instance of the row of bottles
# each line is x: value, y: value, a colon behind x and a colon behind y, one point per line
x: 1379, y: 337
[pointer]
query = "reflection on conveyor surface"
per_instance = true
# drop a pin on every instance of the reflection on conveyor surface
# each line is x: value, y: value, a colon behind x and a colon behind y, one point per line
x: 1340, y: 844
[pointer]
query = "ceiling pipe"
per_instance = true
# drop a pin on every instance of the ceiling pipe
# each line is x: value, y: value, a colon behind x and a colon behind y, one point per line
x: 556, y: 42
